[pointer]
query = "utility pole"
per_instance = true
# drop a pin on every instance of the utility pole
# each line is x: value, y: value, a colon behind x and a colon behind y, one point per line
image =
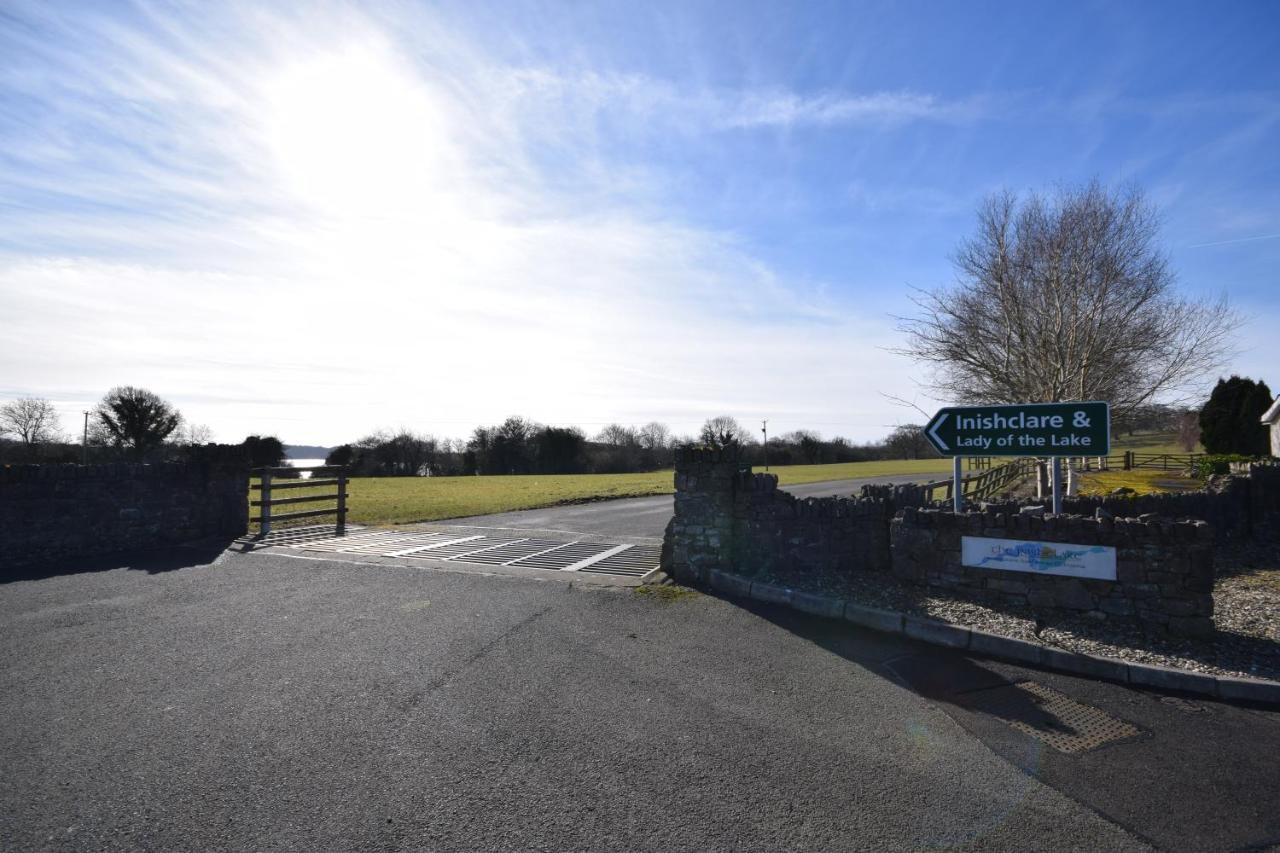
x: 84, y: 442
x: 764, y: 428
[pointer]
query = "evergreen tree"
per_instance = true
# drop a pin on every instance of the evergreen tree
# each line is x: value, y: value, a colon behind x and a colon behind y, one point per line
x: 1231, y: 421
x: 341, y: 455
x: 265, y: 451
x: 137, y: 419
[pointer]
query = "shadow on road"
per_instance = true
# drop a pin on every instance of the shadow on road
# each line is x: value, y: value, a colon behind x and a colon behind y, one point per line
x: 1200, y: 775
x: 933, y: 673
x: 151, y: 561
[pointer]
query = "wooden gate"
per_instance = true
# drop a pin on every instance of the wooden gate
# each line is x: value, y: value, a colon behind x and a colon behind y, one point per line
x: 286, y: 479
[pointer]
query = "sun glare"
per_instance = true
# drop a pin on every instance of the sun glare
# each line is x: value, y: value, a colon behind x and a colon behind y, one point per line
x: 354, y: 134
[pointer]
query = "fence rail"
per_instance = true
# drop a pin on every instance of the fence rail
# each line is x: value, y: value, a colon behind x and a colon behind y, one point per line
x: 1129, y: 459
x: 267, y: 486
x: 979, y: 487
x: 992, y: 481
x: 1164, y: 461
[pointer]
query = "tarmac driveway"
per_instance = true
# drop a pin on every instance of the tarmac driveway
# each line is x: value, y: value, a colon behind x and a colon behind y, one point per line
x: 274, y: 702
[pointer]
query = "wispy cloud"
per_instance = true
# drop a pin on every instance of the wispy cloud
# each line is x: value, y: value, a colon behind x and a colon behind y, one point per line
x: 783, y: 109
x: 701, y: 109
x: 308, y: 186
x: 1236, y: 240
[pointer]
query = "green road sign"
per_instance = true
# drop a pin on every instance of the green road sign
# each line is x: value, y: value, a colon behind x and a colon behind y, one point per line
x: 1024, y: 429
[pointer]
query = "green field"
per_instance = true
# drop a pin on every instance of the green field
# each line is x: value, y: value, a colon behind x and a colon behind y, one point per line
x: 406, y: 500
x: 409, y: 500
x: 1150, y: 442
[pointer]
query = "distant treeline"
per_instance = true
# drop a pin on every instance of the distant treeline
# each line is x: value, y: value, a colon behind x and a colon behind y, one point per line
x: 521, y: 446
x: 29, y: 433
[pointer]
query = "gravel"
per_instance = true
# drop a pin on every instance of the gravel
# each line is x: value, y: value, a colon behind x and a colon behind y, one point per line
x: 1246, y: 615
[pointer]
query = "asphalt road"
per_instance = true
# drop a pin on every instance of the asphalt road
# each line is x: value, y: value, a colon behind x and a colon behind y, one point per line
x: 270, y: 702
x: 639, y: 517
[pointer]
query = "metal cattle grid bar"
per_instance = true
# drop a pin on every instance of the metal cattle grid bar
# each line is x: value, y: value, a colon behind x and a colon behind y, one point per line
x: 633, y: 561
x: 566, y: 556
x: 455, y: 549
x: 378, y: 545
x: 510, y: 552
x: 577, y: 556
x: 440, y: 542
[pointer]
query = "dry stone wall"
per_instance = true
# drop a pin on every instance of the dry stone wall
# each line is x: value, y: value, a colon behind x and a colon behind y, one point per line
x: 1245, y: 505
x: 1164, y: 568
x: 56, y: 512
x: 728, y: 519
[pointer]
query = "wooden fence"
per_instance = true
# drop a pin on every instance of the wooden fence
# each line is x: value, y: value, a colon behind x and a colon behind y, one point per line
x: 994, y: 480
x: 269, y: 483
x: 1129, y: 460
x: 979, y: 487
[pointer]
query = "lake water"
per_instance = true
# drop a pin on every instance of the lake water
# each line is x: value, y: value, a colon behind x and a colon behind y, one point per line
x: 304, y: 463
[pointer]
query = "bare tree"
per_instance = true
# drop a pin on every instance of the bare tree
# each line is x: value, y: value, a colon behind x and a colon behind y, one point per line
x: 723, y: 431
x: 617, y: 435
x: 189, y: 434
x: 1189, y: 430
x: 32, y: 420
x: 1067, y: 298
x: 908, y: 442
x: 654, y: 436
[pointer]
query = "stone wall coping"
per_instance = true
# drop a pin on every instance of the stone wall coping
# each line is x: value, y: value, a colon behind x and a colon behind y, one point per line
x: 944, y: 517
x: 692, y: 455
x: 199, y: 461
x: 935, y: 632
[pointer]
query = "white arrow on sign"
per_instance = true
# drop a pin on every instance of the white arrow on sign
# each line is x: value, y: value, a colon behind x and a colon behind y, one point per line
x: 933, y: 431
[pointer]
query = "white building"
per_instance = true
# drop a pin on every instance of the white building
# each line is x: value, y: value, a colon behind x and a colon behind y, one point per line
x: 1272, y: 419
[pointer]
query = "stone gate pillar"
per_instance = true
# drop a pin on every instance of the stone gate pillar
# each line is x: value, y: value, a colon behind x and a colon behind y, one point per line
x: 699, y: 536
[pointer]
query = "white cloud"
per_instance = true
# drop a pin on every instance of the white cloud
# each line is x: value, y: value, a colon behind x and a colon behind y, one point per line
x: 309, y: 231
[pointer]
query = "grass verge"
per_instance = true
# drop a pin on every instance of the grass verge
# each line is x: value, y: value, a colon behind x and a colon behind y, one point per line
x: 666, y: 593
x: 1142, y: 481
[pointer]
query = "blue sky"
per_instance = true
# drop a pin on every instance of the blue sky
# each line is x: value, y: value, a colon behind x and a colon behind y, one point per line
x: 319, y: 219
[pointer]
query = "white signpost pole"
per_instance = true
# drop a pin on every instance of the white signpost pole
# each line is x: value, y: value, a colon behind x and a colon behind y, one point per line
x: 957, y: 485
x: 1057, y: 485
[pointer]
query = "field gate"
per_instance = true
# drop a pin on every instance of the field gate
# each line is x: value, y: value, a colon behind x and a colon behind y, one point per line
x: 287, y: 479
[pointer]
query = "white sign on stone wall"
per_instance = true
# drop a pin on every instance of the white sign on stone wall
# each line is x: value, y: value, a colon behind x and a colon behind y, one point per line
x: 1041, y: 558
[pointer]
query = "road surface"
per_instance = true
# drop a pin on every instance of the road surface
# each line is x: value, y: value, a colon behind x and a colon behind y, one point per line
x: 640, y: 517
x: 274, y: 702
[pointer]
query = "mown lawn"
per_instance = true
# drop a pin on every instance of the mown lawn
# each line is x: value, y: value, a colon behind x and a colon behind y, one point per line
x: 1143, y: 481
x: 911, y: 469
x: 408, y: 500
x: 405, y: 500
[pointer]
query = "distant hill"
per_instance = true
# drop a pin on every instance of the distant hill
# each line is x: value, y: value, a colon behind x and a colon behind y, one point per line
x: 305, y: 451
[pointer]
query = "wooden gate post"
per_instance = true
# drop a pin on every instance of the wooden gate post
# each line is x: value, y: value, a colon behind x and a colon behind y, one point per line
x: 342, y: 501
x: 264, y: 495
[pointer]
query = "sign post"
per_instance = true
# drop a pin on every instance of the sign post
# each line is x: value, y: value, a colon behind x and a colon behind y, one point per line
x: 1021, y: 429
x: 1057, y: 485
